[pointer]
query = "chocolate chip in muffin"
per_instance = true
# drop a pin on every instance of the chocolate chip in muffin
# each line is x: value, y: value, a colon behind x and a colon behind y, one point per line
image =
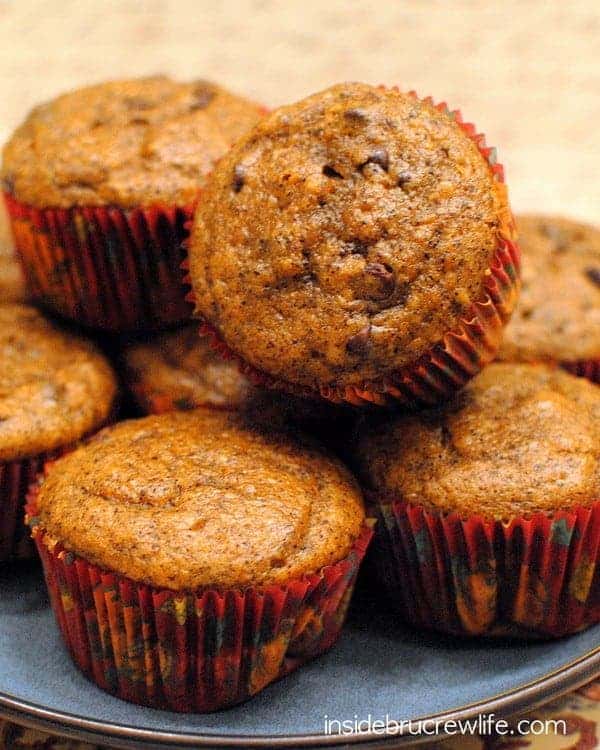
x: 356, y: 114
x: 380, y: 157
x: 359, y: 343
x: 383, y: 276
x: 359, y: 248
x: 404, y: 178
x: 593, y: 275
x: 239, y: 177
x: 329, y: 171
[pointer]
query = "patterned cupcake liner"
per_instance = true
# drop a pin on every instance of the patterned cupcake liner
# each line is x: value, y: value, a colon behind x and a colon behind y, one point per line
x: 192, y: 651
x: 532, y: 577
x: 589, y: 369
x: 15, y: 479
x: 104, y: 267
x: 462, y: 352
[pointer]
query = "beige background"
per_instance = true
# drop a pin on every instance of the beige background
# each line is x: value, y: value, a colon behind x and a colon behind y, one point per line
x: 526, y: 71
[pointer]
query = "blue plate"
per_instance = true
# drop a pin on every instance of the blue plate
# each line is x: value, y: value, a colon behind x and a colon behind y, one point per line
x: 378, y: 668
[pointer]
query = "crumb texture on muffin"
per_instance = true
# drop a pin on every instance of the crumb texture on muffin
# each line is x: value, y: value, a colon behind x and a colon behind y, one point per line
x: 54, y: 387
x: 519, y: 439
x: 127, y: 143
x: 181, y: 368
x: 188, y: 499
x: 558, y: 315
x: 345, y: 235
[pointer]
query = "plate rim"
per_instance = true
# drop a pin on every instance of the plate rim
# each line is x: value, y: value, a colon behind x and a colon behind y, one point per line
x: 527, y: 696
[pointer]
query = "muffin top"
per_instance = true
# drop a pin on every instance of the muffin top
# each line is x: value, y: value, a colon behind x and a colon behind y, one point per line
x: 201, y: 498
x: 126, y: 143
x: 558, y: 315
x: 180, y: 369
x: 54, y: 387
x: 519, y: 439
x: 344, y: 235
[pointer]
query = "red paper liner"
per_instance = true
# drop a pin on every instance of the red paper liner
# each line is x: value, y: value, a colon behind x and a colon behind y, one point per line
x: 192, y: 651
x: 151, y: 401
x: 589, y: 369
x: 462, y: 352
x: 102, y: 266
x: 15, y: 480
x: 536, y: 576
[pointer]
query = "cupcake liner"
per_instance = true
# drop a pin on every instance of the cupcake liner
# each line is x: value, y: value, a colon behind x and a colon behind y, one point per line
x: 152, y: 401
x: 15, y: 480
x: 536, y: 576
x: 462, y: 352
x: 589, y: 369
x: 192, y: 651
x: 104, y: 267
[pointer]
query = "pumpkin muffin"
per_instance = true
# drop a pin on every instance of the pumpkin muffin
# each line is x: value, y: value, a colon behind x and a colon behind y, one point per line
x: 179, y: 370
x: 557, y: 318
x: 100, y: 183
x: 55, y: 389
x: 245, y: 539
x: 489, y: 507
x: 344, y: 241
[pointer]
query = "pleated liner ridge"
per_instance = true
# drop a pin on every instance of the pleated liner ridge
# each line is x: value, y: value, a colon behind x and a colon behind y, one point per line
x: 15, y: 480
x: 536, y: 576
x: 104, y: 267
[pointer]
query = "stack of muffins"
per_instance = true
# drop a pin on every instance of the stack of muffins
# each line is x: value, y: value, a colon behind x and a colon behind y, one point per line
x: 350, y: 262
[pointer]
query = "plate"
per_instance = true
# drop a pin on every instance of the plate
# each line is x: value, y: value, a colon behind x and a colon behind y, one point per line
x: 378, y: 668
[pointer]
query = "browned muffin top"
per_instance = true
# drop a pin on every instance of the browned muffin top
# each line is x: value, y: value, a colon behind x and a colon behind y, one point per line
x: 189, y: 499
x: 180, y: 369
x: 127, y: 143
x: 558, y: 315
x: 519, y: 439
x: 54, y: 387
x: 344, y: 235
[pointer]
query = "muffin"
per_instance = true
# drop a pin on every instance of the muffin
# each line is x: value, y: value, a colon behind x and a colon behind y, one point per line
x: 100, y: 184
x: 11, y: 277
x: 179, y: 370
x: 55, y: 389
x: 192, y: 559
x: 557, y: 318
x: 357, y: 245
x: 489, y: 507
